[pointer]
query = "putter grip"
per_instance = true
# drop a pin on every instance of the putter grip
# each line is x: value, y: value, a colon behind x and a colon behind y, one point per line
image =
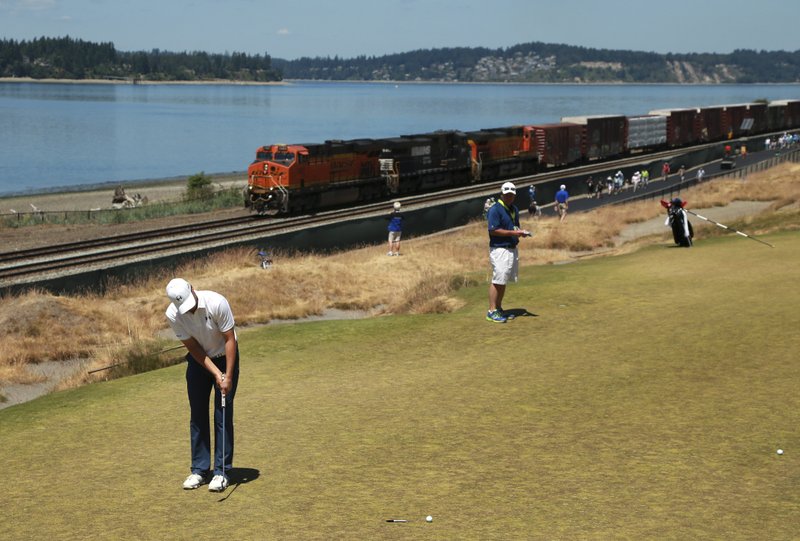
x: 223, y: 394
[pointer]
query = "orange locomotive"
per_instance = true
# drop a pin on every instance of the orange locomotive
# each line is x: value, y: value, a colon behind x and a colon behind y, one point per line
x: 316, y: 176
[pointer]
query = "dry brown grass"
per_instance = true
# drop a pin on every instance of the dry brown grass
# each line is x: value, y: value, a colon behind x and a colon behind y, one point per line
x: 38, y: 326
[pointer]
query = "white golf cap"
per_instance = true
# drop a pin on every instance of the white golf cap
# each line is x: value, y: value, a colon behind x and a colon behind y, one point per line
x: 508, y: 187
x: 179, y: 292
x: 563, y: 187
x: 397, y: 205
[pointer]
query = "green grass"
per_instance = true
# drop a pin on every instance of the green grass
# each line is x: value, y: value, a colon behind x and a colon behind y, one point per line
x: 645, y: 399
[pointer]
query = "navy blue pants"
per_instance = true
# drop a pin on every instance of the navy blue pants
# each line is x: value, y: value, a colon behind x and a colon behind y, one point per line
x: 199, y: 383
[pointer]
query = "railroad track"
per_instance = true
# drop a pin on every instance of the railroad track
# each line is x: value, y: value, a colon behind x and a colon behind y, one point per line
x: 27, y: 267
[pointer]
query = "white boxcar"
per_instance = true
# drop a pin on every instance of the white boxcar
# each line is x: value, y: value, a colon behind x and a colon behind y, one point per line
x: 646, y: 131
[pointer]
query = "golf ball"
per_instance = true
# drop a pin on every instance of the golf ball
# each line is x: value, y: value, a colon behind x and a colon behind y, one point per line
x: 429, y: 518
x: 780, y: 451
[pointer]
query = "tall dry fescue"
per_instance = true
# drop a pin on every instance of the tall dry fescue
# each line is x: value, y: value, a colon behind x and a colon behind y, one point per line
x: 129, y: 318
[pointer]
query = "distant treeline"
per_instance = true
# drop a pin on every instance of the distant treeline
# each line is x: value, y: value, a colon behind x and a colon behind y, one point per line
x: 68, y: 58
x: 542, y: 62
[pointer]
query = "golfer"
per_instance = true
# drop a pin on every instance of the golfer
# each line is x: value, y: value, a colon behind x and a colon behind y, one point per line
x: 203, y: 321
x: 504, y: 234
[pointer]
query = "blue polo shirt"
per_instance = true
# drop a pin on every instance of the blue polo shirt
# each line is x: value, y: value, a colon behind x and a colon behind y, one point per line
x: 562, y: 196
x: 395, y: 221
x: 501, y: 217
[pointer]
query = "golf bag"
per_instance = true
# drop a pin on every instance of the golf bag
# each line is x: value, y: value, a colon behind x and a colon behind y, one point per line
x: 678, y: 220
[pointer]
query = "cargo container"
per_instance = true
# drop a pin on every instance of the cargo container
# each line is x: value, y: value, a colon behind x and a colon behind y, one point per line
x: 710, y: 124
x: 680, y: 125
x: 603, y: 135
x: 739, y: 122
x: 647, y: 131
x: 777, y: 116
x: 558, y: 144
x: 792, y: 113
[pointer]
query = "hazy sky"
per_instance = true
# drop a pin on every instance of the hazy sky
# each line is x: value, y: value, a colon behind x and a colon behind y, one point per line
x: 347, y: 28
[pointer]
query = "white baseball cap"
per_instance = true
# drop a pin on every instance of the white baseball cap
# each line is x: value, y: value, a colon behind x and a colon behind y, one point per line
x: 179, y: 292
x: 397, y: 205
x: 508, y: 187
x: 563, y: 187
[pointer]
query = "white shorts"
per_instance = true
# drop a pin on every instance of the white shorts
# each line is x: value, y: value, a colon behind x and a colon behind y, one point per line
x: 505, y: 265
x: 394, y: 236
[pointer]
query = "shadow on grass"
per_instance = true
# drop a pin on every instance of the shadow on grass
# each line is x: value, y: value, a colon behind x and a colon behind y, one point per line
x: 237, y: 477
x: 520, y: 312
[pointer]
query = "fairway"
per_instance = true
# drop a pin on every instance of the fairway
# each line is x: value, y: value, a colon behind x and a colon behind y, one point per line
x: 644, y: 398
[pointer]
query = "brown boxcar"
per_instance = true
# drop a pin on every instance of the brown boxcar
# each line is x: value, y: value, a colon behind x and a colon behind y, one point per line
x: 710, y: 124
x: 793, y: 113
x: 680, y: 126
x: 603, y: 135
x: 558, y: 144
x: 736, y: 116
x: 758, y: 112
x: 777, y: 116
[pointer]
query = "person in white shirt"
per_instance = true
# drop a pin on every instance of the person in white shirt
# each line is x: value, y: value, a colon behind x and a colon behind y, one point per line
x: 203, y: 321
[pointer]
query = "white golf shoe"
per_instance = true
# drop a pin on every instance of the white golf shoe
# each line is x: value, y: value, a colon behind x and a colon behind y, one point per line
x: 194, y: 481
x: 218, y: 483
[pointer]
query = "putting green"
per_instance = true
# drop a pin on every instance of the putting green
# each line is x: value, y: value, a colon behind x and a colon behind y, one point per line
x: 644, y: 397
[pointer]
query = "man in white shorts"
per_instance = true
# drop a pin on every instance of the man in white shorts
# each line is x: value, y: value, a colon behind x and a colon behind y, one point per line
x: 504, y: 234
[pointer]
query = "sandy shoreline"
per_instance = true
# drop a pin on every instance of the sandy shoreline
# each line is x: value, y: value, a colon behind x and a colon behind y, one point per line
x: 94, y: 196
x: 126, y: 81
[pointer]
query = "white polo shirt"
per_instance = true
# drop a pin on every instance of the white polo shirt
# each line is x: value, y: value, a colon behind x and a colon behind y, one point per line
x: 212, y: 317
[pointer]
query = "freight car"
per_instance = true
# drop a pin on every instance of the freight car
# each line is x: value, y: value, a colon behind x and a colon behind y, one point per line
x: 603, y: 136
x: 293, y: 178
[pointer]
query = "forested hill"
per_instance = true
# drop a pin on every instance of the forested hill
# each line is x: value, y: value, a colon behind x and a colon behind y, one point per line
x: 68, y: 58
x: 541, y: 62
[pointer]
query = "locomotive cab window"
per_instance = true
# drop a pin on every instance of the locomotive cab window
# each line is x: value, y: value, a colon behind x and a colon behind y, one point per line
x: 264, y: 156
x: 284, y: 157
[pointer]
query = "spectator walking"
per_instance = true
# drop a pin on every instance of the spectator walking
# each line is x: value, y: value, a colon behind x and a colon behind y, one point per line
x: 619, y: 181
x: 395, y: 229
x: 700, y: 174
x: 645, y: 178
x: 203, y: 321
x: 504, y: 233
x: 636, y: 178
x: 562, y: 203
x: 534, y: 209
x: 682, y: 172
x: 665, y: 170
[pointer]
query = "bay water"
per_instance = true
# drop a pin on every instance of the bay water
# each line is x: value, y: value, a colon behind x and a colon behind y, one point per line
x: 57, y: 136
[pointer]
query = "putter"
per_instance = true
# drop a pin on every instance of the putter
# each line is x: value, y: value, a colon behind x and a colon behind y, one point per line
x: 222, y: 399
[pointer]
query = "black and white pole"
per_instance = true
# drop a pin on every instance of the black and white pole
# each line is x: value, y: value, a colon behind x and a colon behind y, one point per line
x: 729, y: 228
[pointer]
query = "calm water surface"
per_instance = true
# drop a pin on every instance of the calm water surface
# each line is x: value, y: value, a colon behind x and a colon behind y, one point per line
x: 66, y: 135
